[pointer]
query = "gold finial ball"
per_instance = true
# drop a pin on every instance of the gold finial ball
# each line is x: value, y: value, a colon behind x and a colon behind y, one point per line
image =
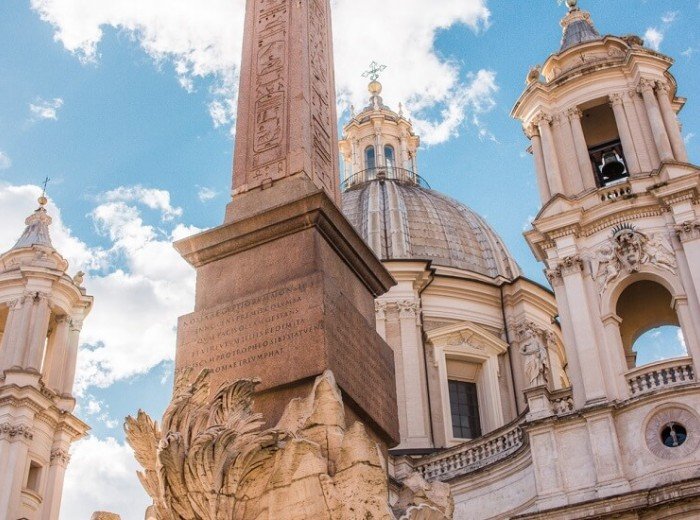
x: 43, y: 201
x: 375, y: 88
x: 571, y: 4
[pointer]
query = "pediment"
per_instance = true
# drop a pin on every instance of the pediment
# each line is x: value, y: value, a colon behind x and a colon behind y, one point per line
x: 466, y: 335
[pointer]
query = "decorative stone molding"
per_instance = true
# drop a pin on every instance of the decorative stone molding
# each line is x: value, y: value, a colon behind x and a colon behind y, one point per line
x: 16, y: 432
x: 60, y: 457
x: 76, y: 324
x: 627, y: 252
x: 213, y: 461
x: 533, y: 76
x: 688, y: 231
x: 531, y: 131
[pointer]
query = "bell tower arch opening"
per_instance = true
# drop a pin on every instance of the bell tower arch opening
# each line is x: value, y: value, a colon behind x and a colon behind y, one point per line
x: 650, y: 329
x: 603, y: 142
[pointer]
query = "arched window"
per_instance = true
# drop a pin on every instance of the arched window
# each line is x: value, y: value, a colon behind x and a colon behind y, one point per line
x: 390, y: 157
x: 650, y: 328
x: 370, y: 158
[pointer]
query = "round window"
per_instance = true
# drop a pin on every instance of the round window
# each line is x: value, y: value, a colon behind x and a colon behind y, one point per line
x: 673, y: 435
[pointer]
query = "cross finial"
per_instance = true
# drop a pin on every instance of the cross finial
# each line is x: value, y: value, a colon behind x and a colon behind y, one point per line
x: 43, y: 200
x: 374, y: 70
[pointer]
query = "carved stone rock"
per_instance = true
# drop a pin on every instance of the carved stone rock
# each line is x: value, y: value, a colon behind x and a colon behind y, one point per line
x: 211, y: 460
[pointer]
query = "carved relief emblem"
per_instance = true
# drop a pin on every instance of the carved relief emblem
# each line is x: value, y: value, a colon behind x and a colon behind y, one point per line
x: 627, y: 252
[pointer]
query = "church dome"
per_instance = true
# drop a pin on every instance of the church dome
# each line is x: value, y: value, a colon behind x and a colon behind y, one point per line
x: 403, y: 220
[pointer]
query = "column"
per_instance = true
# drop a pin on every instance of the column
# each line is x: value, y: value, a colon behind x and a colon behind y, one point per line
x: 616, y: 358
x: 14, y: 450
x: 378, y: 146
x: 663, y: 93
x: 689, y: 235
x: 582, y: 156
x: 580, y: 315
x: 645, y: 126
x: 55, y: 354
x: 380, y: 312
x: 663, y: 145
x: 636, y: 130
x: 411, y: 351
x: 71, y: 357
x: 405, y: 159
x: 625, y: 134
x: 38, y: 331
x: 551, y: 162
x: 356, y: 167
x: 8, y: 344
x: 54, y: 483
x: 19, y: 337
x: 534, y: 135
x: 567, y: 151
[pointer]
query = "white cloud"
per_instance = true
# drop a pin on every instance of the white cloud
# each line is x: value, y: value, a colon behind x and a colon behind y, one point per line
x: 152, y: 198
x: 670, y: 16
x: 46, y: 109
x: 689, y: 137
x: 206, y: 194
x: 653, y: 38
x: 5, y: 161
x: 102, y: 477
x: 688, y: 53
x: 140, y: 283
x: 203, y: 40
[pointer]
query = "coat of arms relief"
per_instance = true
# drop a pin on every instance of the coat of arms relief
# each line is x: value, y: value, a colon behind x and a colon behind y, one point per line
x: 626, y: 253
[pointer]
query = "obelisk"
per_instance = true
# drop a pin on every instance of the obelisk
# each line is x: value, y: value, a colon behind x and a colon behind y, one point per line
x: 286, y: 287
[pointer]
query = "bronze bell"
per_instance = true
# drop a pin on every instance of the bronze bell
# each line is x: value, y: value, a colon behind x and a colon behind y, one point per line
x: 612, y: 168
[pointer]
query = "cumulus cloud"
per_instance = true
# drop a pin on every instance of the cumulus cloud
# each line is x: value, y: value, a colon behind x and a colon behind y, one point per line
x: 653, y: 38
x: 206, y: 194
x: 46, y: 109
x: 5, y: 161
x: 203, y: 40
x: 140, y: 283
x: 102, y: 477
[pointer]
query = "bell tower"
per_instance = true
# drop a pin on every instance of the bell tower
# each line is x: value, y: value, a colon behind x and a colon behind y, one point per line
x: 41, y: 313
x: 619, y: 227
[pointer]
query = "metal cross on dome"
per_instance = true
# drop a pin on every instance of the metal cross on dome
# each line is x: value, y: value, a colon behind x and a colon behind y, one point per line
x: 374, y: 70
x: 46, y: 181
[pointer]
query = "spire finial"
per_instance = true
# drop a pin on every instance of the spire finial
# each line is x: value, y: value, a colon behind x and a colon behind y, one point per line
x: 43, y: 200
x: 374, y: 70
x: 571, y: 4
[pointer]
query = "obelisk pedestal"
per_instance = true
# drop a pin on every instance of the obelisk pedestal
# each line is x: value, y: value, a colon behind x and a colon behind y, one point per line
x: 286, y: 287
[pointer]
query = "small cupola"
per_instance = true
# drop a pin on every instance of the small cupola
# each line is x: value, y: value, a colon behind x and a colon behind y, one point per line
x: 378, y: 143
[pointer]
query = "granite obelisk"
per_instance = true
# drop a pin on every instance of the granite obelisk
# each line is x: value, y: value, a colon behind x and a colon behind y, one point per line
x: 286, y: 287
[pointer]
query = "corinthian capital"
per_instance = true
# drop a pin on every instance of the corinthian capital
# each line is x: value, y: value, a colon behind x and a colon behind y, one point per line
x: 662, y: 86
x: 531, y: 130
x: 646, y: 85
x: 574, y: 113
x: 688, y: 231
x: 566, y: 266
x: 60, y: 457
x: 380, y: 309
x: 542, y: 119
x: 616, y: 99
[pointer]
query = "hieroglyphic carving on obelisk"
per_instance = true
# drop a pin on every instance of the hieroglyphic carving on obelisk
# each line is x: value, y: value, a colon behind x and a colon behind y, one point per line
x: 286, y: 111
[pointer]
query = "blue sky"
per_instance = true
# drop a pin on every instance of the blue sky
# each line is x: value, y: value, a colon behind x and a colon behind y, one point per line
x: 127, y: 106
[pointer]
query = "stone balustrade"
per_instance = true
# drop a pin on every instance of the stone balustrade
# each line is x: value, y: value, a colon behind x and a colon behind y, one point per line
x: 661, y: 375
x: 616, y: 192
x: 471, y: 456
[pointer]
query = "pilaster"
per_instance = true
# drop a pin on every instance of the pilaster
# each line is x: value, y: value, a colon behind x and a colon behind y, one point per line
x: 616, y: 102
x: 551, y: 160
x: 582, y: 157
x: 663, y: 145
x: 663, y: 94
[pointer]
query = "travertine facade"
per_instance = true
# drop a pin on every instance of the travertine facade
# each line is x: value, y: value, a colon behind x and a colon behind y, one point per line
x: 41, y: 313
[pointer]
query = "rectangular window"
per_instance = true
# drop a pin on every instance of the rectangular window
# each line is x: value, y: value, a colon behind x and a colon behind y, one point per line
x: 34, y: 476
x: 464, y: 406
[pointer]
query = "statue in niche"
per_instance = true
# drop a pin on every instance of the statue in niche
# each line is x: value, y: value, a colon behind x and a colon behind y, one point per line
x: 533, y: 347
x: 628, y: 251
